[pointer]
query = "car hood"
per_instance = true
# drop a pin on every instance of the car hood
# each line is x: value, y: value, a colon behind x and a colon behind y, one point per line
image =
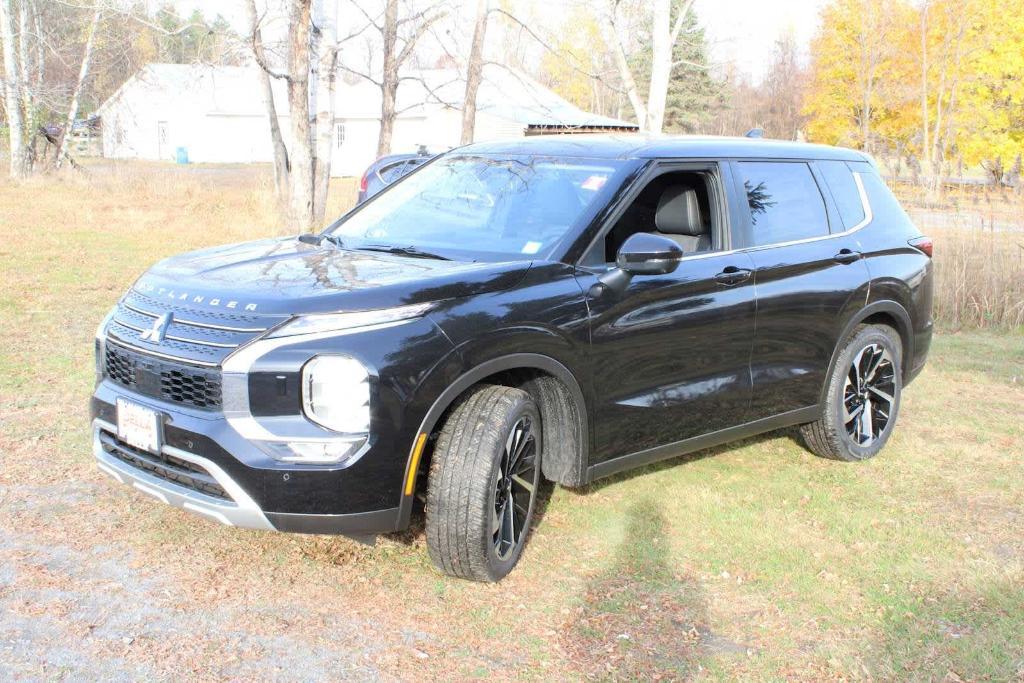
x: 288, y: 276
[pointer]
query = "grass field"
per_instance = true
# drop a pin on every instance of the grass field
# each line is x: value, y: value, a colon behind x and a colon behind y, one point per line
x: 753, y: 561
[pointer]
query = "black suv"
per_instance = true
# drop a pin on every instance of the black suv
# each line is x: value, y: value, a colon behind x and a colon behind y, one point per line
x: 557, y: 308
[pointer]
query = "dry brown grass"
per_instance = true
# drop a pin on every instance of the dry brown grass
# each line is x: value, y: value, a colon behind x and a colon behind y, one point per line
x: 979, y: 254
x: 979, y: 279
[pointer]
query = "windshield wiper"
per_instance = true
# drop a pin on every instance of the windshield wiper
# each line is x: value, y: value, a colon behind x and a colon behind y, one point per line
x: 403, y: 251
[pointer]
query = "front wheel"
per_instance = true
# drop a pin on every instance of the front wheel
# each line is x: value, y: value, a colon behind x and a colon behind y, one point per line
x: 862, y: 397
x: 483, y: 483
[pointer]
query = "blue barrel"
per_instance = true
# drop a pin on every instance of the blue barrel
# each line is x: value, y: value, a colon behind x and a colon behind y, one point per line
x: 181, y: 155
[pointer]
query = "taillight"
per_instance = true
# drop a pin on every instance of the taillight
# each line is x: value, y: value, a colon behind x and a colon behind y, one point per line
x: 362, y: 182
x: 922, y: 243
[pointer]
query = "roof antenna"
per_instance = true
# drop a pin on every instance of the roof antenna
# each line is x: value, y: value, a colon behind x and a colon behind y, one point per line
x: 754, y: 133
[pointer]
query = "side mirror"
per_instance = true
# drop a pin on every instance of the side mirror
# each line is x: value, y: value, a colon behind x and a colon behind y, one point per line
x: 647, y: 254
x: 641, y: 254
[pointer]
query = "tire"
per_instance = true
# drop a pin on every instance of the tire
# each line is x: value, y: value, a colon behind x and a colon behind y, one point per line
x: 478, y: 519
x: 862, y: 397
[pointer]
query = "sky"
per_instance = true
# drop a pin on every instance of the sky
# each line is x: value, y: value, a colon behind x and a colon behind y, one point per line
x: 741, y: 31
x: 745, y: 31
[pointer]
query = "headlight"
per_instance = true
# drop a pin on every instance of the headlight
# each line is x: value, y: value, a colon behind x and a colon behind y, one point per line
x: 336, y: 394
x: 339, y: 322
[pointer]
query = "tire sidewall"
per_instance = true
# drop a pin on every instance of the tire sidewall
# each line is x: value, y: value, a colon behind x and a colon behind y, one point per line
x: 498, y: 567
x: 867, y: 336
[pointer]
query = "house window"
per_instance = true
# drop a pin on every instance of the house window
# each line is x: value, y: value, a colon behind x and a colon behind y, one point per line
x: 339, y: 134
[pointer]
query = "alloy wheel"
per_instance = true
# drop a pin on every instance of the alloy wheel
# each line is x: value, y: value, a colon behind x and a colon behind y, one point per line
x: 869, y: 394
x: 515, y: 488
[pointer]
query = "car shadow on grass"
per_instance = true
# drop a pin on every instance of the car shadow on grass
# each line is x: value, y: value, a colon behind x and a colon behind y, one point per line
x: 640, y: 618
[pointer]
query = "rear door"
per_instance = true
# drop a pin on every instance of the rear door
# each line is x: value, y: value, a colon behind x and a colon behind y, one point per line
x: 810, y: 278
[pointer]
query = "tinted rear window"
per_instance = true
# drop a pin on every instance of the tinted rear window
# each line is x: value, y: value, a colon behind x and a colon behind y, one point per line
x: 785, y: 202
x: 393, y: 172
x: 844, y: 191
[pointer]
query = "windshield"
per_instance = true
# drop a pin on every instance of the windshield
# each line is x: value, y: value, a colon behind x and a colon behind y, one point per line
x: 470, y: 207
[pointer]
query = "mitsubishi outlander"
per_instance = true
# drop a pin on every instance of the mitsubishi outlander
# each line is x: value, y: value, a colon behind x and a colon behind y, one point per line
x: 552, y: 308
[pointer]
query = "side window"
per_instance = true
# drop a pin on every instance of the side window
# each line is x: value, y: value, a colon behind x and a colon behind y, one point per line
x: 844, y: 191
x: 784, y: 199
x: 677, y: 205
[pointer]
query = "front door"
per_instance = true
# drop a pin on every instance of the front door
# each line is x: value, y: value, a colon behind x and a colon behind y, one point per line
x: 670, y: 354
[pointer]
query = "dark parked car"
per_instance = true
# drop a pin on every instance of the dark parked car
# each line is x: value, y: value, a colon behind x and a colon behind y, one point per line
x: 388, y: 169
x: 554, y: 309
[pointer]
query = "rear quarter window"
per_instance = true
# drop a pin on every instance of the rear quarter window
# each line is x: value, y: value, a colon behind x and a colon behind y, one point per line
x: 884, y: 205
x: 845, y: 193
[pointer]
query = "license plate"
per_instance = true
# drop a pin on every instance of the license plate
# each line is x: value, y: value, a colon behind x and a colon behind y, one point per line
x: 138, y: 426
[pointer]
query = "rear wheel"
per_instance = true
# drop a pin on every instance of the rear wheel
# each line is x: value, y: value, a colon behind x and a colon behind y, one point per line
x: 862, y: 397
x: 483, y: 483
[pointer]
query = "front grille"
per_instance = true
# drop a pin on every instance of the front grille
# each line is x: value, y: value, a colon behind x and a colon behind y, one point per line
x: 188, y: 385
x: 193, y: 334
x: 164, y: 466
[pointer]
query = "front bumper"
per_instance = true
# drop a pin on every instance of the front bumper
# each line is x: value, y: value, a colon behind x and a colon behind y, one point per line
x: 255, y: 491
x: 362, y: 496
x: 240, y: 511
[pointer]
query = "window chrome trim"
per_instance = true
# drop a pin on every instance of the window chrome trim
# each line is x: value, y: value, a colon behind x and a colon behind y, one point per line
x: 868, y: 217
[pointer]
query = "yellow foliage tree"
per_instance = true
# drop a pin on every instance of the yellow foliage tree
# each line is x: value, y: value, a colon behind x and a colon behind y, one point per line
x: 942, y: 79
x: 989, y: 116
x: 858, y: 90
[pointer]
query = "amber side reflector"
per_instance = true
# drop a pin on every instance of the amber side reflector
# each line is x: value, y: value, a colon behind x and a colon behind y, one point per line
x: 414, y: 463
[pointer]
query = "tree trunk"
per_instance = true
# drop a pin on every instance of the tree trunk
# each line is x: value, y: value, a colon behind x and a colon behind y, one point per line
x: 389, y: 80
x: 12, y: 91
x: 925, y: 148
x: 28, y: 95
x: 326, y: 56
x: 474, y: 73
x: 661, y: 65
x: 301, y: 157
x: 83, y: 74
x: 281, y: 179
x: 614, y: 42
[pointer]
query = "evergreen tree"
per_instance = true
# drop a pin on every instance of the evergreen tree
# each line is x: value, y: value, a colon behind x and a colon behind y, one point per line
x: 693, y: 94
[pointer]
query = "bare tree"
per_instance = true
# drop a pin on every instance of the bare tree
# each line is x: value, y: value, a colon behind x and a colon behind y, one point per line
x: 650, y: 111
x: 301, y: 156
x: 12, y: 90
x: 83, y: 73
x: 303, y: 170
x: 325, y: 73
x: 399, y: 36
x: 474, y: 72
x: 281, y: 166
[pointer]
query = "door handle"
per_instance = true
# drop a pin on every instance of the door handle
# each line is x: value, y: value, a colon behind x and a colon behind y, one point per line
x: 732, y: 275
x: 847, y: 256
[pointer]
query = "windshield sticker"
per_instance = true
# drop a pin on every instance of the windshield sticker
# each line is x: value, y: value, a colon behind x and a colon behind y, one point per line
x: 594, y: 182
x: 531, y: 247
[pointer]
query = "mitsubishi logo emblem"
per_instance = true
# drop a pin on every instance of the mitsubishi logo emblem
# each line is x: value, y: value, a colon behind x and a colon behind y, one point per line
x: 158, y: 331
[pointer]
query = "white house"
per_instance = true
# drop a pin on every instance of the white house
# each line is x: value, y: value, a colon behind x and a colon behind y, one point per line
x: 217, y: 114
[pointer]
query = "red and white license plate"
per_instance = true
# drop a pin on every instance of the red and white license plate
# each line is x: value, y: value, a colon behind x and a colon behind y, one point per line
x: 138, y: 426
